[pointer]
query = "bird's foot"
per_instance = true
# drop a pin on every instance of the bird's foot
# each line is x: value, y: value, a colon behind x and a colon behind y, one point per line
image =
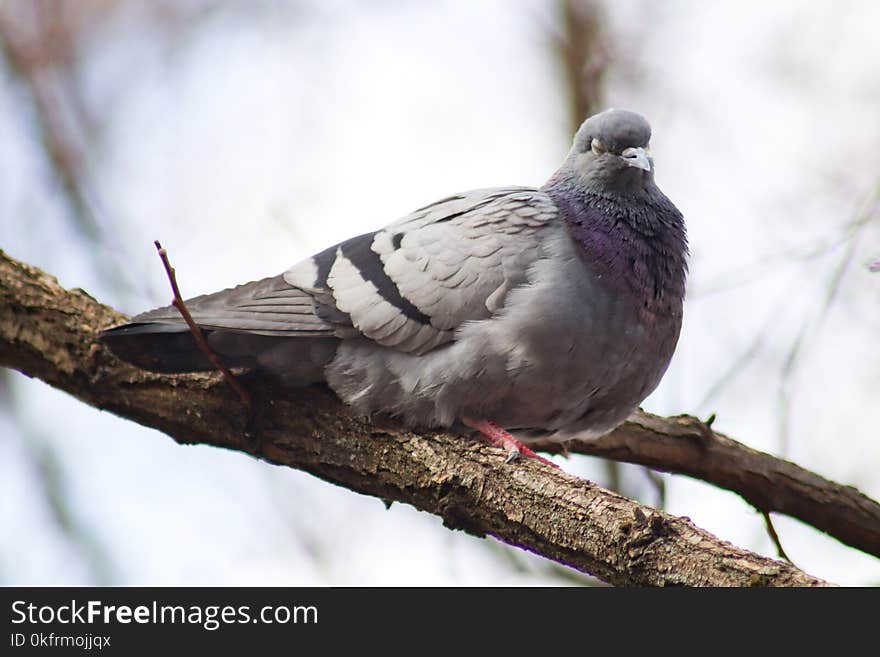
x: 497, y: 436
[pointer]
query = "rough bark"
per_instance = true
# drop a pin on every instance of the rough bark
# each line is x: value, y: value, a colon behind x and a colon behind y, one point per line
x: 50, y: 333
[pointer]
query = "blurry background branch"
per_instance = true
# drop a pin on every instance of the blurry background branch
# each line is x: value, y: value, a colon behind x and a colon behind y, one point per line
x: 585, y: 57
x: 40, y: 42
x: 49, y: 332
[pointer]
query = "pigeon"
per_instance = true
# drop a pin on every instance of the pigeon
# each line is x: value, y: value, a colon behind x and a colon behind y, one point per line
x: 546, y: 312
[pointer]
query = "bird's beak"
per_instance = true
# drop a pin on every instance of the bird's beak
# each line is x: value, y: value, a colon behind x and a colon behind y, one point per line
x: 636, y: 157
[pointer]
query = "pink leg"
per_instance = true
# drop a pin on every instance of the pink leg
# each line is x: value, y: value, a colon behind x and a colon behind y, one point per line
x: 500, y: 438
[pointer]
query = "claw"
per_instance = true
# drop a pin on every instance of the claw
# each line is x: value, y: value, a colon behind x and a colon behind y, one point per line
x: 499, y: 437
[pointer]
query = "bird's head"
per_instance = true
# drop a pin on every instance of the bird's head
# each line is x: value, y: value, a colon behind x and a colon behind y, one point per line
x: 610, y: 152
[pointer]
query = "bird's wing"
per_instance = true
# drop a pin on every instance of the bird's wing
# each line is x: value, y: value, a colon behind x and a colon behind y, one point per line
x: 411, y: 284
x: 407, y: 286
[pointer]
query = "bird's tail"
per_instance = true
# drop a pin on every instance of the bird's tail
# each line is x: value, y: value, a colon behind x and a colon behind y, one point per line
x: 265, y: 325
x: 166, y: 348
x: 172, y: 349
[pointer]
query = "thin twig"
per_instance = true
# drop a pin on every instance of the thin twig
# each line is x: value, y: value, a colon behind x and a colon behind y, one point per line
x: 756, y: 270
x: 743, y: 360
x: 811, y: 328
x: 613, y: 480
x: 771, y: 530
x: 202, y: 343
x: 659, y: 485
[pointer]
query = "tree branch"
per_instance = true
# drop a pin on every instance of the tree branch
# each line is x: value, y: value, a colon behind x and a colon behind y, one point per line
x: 50, y: 333
x: 685, y: 445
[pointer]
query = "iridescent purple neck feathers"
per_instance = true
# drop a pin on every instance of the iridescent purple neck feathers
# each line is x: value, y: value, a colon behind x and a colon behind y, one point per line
x: 636, y: 245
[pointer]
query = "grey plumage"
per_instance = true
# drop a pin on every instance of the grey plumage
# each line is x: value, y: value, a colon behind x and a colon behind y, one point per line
x: 553, y: 310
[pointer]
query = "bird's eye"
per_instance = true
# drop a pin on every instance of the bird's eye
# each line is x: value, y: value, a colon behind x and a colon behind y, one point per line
x: 597, y: 146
